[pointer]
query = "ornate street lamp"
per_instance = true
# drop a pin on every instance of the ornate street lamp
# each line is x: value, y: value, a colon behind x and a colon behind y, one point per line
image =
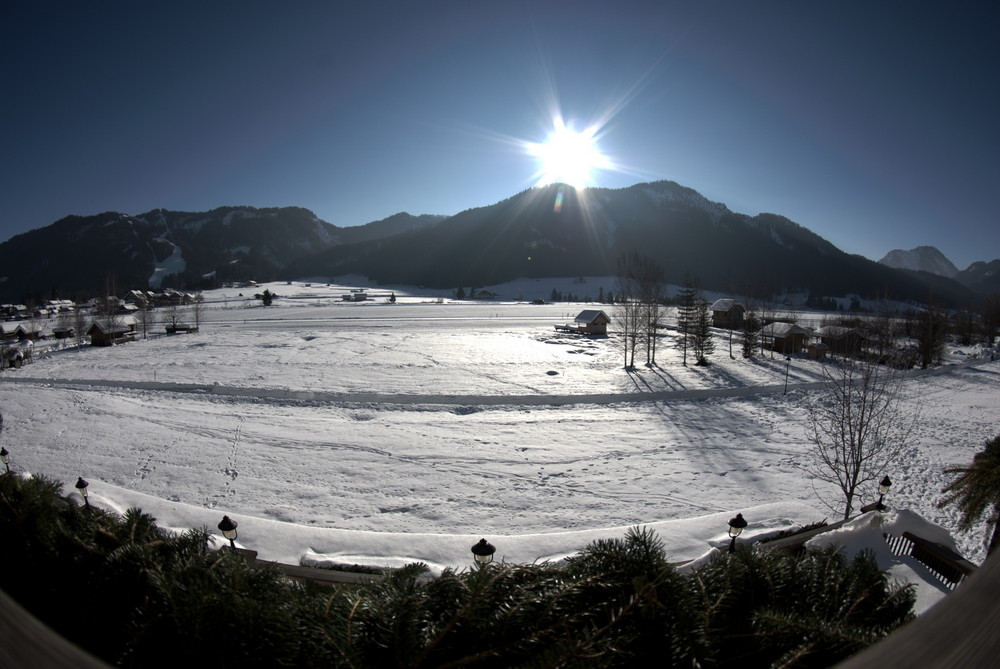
x: 483, y: 551
x: 883, y: 488
x: 788, y: 361
x: 228, y: 528
x: 81, y: 485
x: 736, y: 526
x: 5, y: 457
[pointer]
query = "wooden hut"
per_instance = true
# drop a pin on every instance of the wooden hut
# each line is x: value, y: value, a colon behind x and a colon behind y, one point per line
x: 727, y: 313
x: 588, y: 321
x: 784, y: 337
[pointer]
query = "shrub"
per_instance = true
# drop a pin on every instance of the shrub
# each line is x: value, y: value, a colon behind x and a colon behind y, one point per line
x: 135, y: 595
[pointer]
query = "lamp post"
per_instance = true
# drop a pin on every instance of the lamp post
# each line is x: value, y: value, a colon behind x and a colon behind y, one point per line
x: 788, y: 361
x: 483, y: 552
x: 883, y: 488
x: 736, y: 526
x: 81, y: 485
x: 228, y: 528
x: 5, y: 457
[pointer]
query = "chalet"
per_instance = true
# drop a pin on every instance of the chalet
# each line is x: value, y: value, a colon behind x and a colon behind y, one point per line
x: 727, y: 313
x: 588, y: 321
x: 174, y: 298
x: 59, y: 306
x: 784, y: 337
x: 841, y: 339
x: 122, y: 331
x: 137, y: 297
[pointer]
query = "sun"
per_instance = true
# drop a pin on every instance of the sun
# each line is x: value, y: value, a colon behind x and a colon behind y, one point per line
x: 568, y: 156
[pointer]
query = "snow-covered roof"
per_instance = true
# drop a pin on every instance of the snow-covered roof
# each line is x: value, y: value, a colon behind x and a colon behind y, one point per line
x: 724, y: 304
x: 783, y: 330
x: 835, y: 331
x: 591, y: 315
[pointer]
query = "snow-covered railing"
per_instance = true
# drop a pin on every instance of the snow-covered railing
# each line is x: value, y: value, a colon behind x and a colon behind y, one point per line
x: 946, y: 565
x: 301, y: 573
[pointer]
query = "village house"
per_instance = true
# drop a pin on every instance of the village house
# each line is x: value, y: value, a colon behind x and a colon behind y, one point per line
x: 727, y: 313
x: 59, y: 306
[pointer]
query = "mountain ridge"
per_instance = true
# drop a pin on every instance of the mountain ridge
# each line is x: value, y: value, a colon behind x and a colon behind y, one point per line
x: 540, y: 232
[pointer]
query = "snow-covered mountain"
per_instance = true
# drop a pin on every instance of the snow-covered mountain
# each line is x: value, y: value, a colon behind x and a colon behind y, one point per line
x: 921, y: 259
x: 552, y: 231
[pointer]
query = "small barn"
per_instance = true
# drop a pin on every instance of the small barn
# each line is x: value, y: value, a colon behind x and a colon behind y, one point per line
x: 784, y: 337
x: 588, y: 321
x: 8, y: 331
x: 727, y: 313
x: 101, y: 334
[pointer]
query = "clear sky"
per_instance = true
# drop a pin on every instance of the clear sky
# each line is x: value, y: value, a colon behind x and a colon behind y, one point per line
x: 876, y: 125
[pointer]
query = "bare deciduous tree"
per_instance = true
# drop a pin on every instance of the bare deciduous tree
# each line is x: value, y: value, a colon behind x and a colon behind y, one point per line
x: 173, y: 315
x: 145, y: 316
x: 628, y: 318
x: 198, y: 308
x: 640, y: 305
x: 858, y: 426
x: 107, y: 306
x: 79, y: 324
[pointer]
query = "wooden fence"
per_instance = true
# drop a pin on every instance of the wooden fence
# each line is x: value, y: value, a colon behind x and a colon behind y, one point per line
x: 947, y: 566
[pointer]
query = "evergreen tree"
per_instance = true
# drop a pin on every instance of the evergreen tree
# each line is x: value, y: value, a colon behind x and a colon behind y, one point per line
x: 702, y: 342
x: 930, y: 331
x: 687, y: 316
x: 976, y: 491
x: 266, y: 298
x: 991, y: 318
x: 751, y: 336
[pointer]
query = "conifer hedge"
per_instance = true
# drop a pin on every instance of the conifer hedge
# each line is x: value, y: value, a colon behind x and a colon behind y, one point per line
x: 138, y: 596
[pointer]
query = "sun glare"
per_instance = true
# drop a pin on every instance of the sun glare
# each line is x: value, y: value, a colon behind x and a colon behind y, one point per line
x: 568, y: 156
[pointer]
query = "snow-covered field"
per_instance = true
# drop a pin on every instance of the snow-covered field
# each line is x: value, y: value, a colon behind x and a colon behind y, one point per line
x: 387, y: 433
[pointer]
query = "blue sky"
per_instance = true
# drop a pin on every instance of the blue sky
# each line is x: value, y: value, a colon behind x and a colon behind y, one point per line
x: 874, y: 127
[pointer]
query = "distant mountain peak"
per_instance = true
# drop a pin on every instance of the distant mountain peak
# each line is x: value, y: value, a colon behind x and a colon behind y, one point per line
x: 921, y: 259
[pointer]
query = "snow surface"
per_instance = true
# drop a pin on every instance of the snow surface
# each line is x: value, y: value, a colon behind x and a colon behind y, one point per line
x: 382, y: 433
